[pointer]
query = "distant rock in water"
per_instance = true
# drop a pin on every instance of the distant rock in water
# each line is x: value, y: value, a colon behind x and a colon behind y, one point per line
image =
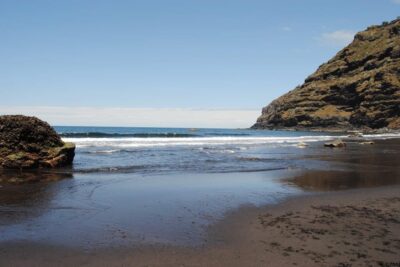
x: 29, y: 143
x: 357, y: 89
x: 335, y: 143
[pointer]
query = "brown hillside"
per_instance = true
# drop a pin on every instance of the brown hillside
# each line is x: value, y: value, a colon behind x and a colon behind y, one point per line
x: 359, y: 88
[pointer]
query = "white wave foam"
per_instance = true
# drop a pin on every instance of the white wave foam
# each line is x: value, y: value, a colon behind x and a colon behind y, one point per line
x: 134, y: 142
x: 382, y: 136
x: 190, y: 141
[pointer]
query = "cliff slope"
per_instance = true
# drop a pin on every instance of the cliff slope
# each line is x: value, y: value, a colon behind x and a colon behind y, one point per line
x: 359, y: 88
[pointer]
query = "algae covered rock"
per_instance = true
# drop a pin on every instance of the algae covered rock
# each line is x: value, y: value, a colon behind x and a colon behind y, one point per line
x: 30, y: 143
x: 335, y: 143
x: 359, y: 88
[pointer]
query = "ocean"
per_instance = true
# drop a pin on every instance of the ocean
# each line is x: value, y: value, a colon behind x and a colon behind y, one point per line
x: 181, y: 150
x: 135, y: 186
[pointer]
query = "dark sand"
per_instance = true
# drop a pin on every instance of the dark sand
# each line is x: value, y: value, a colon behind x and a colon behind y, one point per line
x: 358, y: 227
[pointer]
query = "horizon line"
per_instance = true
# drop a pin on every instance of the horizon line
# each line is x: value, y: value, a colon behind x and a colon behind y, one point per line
x: 226, y: 118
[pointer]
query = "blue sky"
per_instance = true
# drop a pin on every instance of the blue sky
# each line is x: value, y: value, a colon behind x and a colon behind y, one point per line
x: 230, y: 55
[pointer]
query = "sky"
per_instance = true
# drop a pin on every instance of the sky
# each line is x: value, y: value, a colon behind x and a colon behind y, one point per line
x: 182, y: 63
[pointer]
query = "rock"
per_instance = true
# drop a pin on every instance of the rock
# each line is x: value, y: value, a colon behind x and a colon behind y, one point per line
x: 358, y: 89
x: 367, y: 143
x: 336, y: 143
x: 29, y: 143
x: 60, y: 156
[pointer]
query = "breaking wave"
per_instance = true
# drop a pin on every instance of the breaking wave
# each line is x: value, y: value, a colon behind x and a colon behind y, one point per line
x: 134, y: 142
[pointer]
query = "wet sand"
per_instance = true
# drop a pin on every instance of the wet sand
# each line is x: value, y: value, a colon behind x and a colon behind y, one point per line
x: 358, y: 227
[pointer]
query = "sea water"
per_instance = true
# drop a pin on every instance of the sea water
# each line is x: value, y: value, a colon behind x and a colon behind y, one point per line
x: 132, y: 186
x: 181, y: 150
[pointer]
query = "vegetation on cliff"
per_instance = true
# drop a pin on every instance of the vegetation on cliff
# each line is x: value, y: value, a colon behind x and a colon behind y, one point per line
x: 359, y: 88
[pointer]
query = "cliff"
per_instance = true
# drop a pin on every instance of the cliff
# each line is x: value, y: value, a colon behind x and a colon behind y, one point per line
x: 359, y: 88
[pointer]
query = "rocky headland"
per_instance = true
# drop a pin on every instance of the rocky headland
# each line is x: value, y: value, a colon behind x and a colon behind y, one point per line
x: 30, y: 143
x: 358, y: 89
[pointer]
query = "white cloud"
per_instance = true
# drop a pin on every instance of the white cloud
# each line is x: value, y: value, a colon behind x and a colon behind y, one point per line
x: 287, y: 29
x: 146, y: 117
x: 337, y: 38
x: 396, y: 1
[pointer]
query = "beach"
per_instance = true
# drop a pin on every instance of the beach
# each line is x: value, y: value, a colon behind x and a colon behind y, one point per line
x: 237, y: 198
x: 358, y: 227
x: 200, y: 133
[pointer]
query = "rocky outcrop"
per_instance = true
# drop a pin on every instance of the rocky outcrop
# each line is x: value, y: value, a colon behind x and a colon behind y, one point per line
x: 335, y: 143
x: 29, y: 143
x: 357, y: 89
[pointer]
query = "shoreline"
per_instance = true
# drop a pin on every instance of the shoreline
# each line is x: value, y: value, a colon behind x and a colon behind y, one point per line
x: 297, y: 231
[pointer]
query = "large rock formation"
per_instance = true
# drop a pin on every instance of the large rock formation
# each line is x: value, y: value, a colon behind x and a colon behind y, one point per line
x: 29, y: 143
x: 357, y: 89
